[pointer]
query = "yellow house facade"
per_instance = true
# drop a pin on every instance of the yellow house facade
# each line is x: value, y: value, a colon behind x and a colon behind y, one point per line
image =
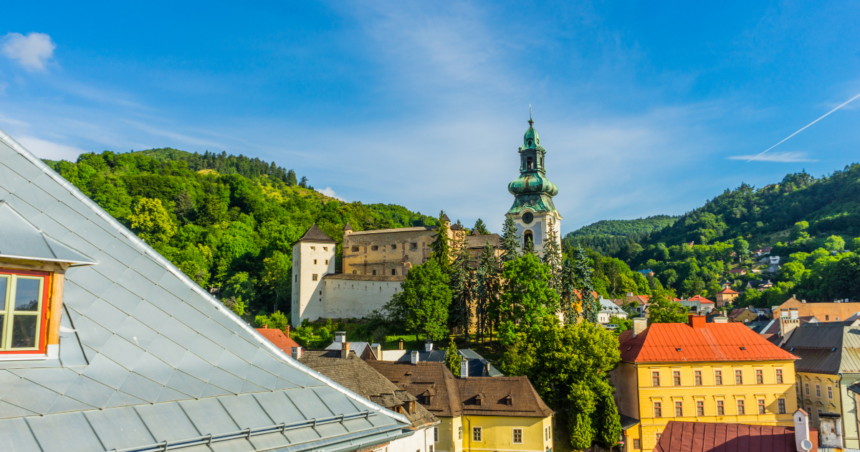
x: 828, y: 366
x: 700, y: 372
x: 476, y: 413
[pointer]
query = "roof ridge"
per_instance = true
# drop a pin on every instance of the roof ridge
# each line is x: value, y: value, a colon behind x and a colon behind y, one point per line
x: 159, y: 259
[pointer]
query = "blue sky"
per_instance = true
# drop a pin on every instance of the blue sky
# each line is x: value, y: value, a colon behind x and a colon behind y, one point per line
x: 643, y: 109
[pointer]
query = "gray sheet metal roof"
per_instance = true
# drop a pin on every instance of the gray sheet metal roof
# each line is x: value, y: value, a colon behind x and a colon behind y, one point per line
x: 20, y: 239
x: 829, y: 347
x: 478, y: 366
x: 147, y: 357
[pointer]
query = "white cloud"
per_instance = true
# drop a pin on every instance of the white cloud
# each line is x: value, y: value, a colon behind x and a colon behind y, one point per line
x: 31, y: 51
x: 330, y: 193
x: 781, y: 157
x: 45, y: 149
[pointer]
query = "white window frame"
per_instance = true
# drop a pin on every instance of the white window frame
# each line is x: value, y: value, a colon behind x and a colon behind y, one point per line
x: 480, y: 436
x: 514, y: 435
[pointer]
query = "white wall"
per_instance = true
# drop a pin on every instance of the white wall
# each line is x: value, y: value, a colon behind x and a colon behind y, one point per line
x: 348, y: 298
x: 540, y: 228
x: 309, y: 259
x: 420, y: 441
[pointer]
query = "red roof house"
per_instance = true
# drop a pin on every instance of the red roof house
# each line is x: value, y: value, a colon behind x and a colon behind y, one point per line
x: 700, y: 299
x: 712, y: 437
x: 698, y: 341
x: 277, y: 337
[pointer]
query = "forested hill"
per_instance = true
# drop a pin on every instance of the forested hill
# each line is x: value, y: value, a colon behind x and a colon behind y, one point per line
x: 831, y: 205
x: 226, y: 221
x: 608, y: 236
x: 813, y: 225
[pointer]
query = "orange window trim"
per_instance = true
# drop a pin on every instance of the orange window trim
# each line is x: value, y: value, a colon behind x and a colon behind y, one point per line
x: 46, y: 290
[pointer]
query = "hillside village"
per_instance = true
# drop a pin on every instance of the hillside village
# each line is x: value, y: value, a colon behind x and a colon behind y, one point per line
x: 420, y: 334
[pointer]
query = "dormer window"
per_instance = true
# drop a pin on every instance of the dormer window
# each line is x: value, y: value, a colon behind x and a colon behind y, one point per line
x: 479, y: 399
x: 31, y: 287
x: 23, y: 316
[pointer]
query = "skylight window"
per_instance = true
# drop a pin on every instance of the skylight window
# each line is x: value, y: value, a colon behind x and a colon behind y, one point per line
x: 22, y: 311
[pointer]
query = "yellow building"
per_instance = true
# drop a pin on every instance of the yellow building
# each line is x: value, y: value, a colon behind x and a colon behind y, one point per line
x: 828, y: 366
x: 476, y: 413
x: 700, y: 372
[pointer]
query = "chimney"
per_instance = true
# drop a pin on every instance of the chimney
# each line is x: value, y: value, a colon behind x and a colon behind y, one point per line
x: 287, y: 331
x: 464, y: 367
x: 801, y: 431
x: 639, y: 325
x: 697, y: 321
x: 297, y: 352
x: 787, y: 325
x: 629, y: 294
x: 400, y: 344
x: 414, y: 356
x: 428, y: 345
x: 344, y: 350
x: 793, y: 314
x: 266, y: 326
x: 340, y: 336
x: 377, y: 351
x: 803, y: 301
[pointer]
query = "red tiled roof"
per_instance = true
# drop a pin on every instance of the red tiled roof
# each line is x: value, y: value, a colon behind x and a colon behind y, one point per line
x: 277, y: 337
x: 700, y: 299
x: 660, y: 342
x: 727, y: 290
x: 708, y: 437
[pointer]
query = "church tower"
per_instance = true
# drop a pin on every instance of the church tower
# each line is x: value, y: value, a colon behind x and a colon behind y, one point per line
x: 533, y: 211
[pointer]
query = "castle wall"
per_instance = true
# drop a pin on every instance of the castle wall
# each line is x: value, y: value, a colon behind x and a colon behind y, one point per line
x: 386, y: 251
x: 348, y: 296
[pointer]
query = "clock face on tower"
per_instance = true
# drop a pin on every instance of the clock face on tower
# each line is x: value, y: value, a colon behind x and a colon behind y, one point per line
x: 528, y: 217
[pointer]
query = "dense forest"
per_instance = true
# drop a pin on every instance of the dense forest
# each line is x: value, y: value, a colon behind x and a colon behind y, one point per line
x: 608, y: 236
x: 228, y: 222
x: 811, y: 223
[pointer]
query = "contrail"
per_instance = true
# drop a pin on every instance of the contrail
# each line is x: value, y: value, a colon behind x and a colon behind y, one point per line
x: 804, y: 127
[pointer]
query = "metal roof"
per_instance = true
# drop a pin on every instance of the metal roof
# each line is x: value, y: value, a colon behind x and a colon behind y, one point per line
x: 149, y: 360
x: 478, y: 366
x: 20, y: 239
x: 829, y: 348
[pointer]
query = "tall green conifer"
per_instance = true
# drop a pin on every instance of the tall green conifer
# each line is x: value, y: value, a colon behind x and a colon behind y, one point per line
x: 441, y: 246
x: 487, y: 287
x: 462, y: 286
x: 510, y: 242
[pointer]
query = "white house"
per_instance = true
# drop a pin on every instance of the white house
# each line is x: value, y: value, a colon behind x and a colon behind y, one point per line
x: 608, y: 309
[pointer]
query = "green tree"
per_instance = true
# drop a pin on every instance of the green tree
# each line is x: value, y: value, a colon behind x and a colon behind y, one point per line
x: 486, y: 290
x: 277, y: 274
x: 292, y: 181
x: 240, y: 288
x: 662, y: 309
x: 441, y: 246
x: 452, y: 358
x: 607, y: 422
x: 184, y: 206
x: 422, y: 304
x: 569, y: 367
x: 834, y: 243
x: 152, y: 222
x: 552, y: 257
x: 621, y: 324
x: 462, y: 284
x: 741, y: 248
x: 277, y: 321
x: 799, y: 231
x: 481, y: 227
x: 510, y: 242
x: 568, y: 293
x: 582, y: 275
x: 526, y: 297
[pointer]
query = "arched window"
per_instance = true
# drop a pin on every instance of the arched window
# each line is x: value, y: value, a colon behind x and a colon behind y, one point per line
x: 528, y: 236
x: 529, y: 163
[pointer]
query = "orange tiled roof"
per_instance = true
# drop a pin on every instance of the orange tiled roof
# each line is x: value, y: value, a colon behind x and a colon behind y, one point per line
x: 727, y: 291
x: 700, y: 299
x: 277, y: 337
x: 680, y: 342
